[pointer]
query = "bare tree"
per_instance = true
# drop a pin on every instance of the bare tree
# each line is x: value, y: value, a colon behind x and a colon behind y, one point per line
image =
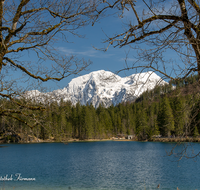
x: 29, y: 30
x: 171, y: 26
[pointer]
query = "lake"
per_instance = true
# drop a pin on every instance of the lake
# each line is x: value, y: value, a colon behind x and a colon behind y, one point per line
x: 106, y: 165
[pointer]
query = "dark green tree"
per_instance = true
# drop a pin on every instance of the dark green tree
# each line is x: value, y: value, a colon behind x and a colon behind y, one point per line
x: 141, y: 124
x: 165, y: 117
x: 179, y: 115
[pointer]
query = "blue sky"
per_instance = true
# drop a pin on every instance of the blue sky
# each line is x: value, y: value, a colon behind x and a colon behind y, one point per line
x: 112, y: 60
x: 94, y: 36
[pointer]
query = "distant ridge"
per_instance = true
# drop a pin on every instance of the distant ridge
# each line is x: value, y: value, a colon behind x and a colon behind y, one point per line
x: 101, y: 87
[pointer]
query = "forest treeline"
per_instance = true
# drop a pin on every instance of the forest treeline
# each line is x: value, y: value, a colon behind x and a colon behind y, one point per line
x: 172, y: 109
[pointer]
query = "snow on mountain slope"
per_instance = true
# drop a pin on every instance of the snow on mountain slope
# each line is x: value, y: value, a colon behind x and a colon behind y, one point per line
x: 101, y: 87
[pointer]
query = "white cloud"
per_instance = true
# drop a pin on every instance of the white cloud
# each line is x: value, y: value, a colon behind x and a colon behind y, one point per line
x: 89, y: 52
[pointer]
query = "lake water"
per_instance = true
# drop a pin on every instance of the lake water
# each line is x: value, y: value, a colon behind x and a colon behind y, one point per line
x: 96, y: 165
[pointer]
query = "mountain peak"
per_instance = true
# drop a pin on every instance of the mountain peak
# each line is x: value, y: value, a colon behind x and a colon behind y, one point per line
x: 102, y: 87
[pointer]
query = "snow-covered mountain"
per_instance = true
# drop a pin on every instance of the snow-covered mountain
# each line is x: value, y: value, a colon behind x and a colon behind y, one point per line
x: 101, y: 87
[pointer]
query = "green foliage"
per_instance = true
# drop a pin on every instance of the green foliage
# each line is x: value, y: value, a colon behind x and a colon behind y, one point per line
x: 151, y: 114
x: 179, y: 115
x: 141, y: 123
x: 153, y: 128
x: 165, y: 117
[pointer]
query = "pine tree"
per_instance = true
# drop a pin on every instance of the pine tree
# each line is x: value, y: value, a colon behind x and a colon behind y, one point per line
x: 113, y: 119
x: 79, y: 119
x: 74, y: 121
x: 153, y: 128
x: 119, y: 124
x: 55, y: 121
x: 62, y: 123
x: 179, y: 115
x: 69, y: 123
x: 130, y: 121
x: 165, y: 117
x: 94, y: 121
x: 87, y: 128
x: 141, y: 124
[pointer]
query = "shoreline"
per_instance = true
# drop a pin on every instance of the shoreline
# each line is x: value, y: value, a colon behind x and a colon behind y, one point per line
x: 176, y: 139
x: 161, y: 139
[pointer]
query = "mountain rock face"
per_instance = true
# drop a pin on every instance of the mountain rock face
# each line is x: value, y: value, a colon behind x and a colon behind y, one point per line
x: 101, y: 87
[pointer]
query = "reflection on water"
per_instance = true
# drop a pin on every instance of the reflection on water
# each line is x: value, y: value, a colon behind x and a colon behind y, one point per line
x: 97, y: 165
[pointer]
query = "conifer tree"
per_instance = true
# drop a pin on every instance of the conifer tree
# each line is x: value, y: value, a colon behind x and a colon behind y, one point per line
x: 87, y: 129
x: 130, y: 121
x: 153, y: 128
x: 62, y: 122
x: 108, y: 123
x: 113, y: 119
x: 141, y: 124
x: 179, y: 115
x: 94, y: 121
x: 119, y: 124
x: 165, y: 118
x: 68, y: 114
x: 79, y: 119
x: 74, y: 122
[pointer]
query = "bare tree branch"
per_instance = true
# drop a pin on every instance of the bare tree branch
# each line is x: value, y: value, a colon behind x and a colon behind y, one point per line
x: 31, y: 28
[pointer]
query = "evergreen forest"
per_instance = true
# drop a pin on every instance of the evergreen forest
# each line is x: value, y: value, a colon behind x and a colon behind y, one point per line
x: 173, y: 109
